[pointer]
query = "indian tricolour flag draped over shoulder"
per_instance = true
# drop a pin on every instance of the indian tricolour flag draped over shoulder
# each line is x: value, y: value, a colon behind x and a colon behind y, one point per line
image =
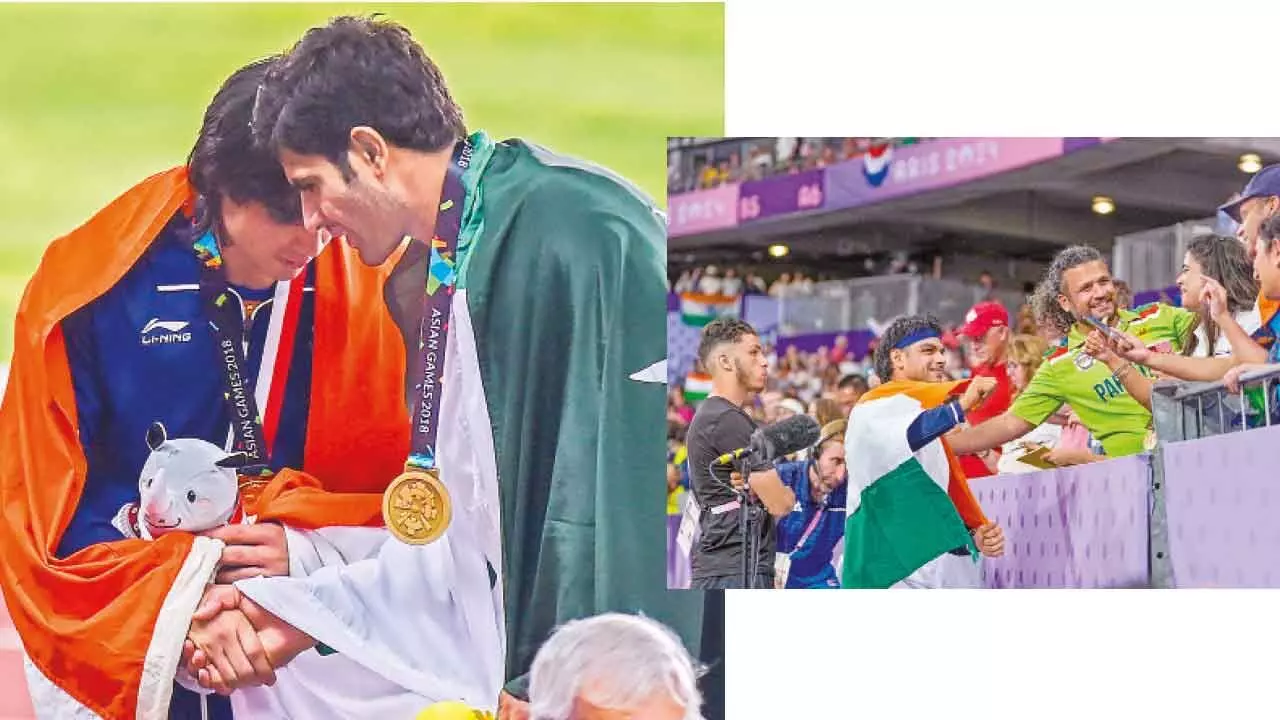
x: 698, y: 310
x: 905, y: 508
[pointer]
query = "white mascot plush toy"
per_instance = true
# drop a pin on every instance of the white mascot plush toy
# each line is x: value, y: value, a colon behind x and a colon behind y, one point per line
x: 186, y: 484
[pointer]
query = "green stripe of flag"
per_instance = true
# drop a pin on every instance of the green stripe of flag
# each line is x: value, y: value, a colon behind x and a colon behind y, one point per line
x: 903, y: 521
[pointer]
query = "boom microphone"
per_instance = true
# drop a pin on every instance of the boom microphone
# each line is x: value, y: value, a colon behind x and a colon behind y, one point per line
x: 777, y: 440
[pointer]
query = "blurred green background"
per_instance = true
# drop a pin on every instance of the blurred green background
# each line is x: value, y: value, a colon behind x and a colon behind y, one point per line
x: 93, y: 98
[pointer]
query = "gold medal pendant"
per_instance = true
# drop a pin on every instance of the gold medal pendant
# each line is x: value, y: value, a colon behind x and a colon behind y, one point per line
x: 415, y: 507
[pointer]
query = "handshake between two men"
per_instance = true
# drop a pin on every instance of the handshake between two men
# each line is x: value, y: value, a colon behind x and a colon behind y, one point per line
x: 232, y: 642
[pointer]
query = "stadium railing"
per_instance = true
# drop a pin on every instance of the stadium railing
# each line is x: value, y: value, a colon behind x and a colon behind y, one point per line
x: 837, y: 305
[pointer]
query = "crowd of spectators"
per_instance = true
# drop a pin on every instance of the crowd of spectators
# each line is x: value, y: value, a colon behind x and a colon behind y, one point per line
x: 695, y: 165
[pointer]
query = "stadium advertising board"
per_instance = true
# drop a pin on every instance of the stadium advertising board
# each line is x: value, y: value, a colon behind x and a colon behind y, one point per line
x: 781, y: 195
x: 890, y: 172
x: 702, y: 210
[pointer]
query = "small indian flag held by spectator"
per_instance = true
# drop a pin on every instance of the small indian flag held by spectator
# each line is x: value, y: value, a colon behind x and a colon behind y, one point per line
x: 697, y: 310
x: 902, y: 513
x: 697, y: 387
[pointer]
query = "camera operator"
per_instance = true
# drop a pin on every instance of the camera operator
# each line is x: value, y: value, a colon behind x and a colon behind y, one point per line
x: 731, y: 351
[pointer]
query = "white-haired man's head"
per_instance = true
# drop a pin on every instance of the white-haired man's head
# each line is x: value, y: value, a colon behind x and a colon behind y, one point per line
x: 614, y: 666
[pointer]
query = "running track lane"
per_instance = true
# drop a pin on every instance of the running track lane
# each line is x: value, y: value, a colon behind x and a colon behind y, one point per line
x: 15, y: 703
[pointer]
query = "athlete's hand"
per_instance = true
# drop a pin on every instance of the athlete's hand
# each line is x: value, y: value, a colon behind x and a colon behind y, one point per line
x: 990, y: 539
x: 225, y: 652
x: 978, y: 390
x: 251, y: 551
x: 280, y: 642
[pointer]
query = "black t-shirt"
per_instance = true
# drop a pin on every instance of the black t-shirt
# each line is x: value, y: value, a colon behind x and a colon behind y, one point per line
x: 717, y: 428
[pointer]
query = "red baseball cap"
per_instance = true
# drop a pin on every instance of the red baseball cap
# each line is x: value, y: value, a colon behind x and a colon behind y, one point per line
x: 982, y: 317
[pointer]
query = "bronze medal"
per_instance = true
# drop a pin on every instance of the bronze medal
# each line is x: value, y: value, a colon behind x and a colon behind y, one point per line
x: 415, y: 507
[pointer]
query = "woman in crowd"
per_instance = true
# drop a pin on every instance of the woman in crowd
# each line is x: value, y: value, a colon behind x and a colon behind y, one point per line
x: 1222, y: 260
x: 677, y: 408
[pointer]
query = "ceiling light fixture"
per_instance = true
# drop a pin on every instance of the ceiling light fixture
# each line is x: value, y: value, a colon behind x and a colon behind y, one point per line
x: 1103, y: 205
x: 778, y: 251
x: 1250, y: 163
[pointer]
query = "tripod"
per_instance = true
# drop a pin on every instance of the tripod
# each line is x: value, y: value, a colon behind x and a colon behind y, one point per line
x: 747, y: 526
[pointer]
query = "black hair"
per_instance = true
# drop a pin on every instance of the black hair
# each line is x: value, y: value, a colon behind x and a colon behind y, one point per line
x: 351, y: 72
x: 720, y: 331
x: 896, y: 331
x: 224, y: 163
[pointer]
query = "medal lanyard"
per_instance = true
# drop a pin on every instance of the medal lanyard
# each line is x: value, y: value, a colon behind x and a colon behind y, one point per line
x: 224, y: 314
x: 433, y: 333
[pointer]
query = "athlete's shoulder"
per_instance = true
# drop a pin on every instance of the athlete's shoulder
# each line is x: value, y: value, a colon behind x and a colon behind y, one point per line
x: 583, y: 189
x: 167, y: 265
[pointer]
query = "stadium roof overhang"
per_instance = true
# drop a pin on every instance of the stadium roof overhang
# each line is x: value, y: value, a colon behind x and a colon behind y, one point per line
x: 1028, y: 212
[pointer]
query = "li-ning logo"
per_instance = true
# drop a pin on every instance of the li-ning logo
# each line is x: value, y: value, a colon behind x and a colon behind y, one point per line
x: 175, y: 331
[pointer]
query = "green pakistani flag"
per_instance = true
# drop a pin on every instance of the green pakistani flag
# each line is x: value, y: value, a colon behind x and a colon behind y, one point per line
x: 564, y: 275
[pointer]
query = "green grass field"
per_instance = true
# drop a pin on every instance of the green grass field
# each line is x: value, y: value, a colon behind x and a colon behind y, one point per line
x: 95, y: 97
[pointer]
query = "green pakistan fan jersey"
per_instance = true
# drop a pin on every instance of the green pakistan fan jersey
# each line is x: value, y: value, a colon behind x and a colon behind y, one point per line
x: 1070, y: 376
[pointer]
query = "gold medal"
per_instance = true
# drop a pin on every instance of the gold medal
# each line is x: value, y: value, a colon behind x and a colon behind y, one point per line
x: 415, y: 506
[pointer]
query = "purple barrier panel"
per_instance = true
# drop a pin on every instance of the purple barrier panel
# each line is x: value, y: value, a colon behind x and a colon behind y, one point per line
x: 702, y: 211
x: 1077, y: 527
x: 759, y: 199
x: 1223, y: 509
x: 677, y: 565
x: 896, y: 172
x: 673, y: 302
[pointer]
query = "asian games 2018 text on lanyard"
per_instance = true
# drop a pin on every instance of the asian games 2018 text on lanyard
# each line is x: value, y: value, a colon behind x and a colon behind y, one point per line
x: 416, y: 506
x: 243, y: 401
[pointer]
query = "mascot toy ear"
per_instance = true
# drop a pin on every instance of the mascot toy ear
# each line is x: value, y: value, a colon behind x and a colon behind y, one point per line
x: 156, y: 435
x: 234, y: 460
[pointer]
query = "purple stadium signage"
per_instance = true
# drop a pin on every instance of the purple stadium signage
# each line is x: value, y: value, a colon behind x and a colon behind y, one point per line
x: 780, y: 195
x: 702, y: 210
x: 901, y: 171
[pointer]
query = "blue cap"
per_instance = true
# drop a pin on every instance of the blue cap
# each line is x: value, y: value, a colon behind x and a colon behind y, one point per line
x: 1264, y: 183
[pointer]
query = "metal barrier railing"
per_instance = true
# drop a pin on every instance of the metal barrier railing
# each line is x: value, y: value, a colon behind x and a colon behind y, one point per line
x: 1189, y: 410
x: 839, y: 305
x: 1174, y: 404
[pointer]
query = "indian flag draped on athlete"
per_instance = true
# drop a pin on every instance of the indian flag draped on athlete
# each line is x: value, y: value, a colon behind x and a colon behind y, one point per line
x: 909, y: 508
